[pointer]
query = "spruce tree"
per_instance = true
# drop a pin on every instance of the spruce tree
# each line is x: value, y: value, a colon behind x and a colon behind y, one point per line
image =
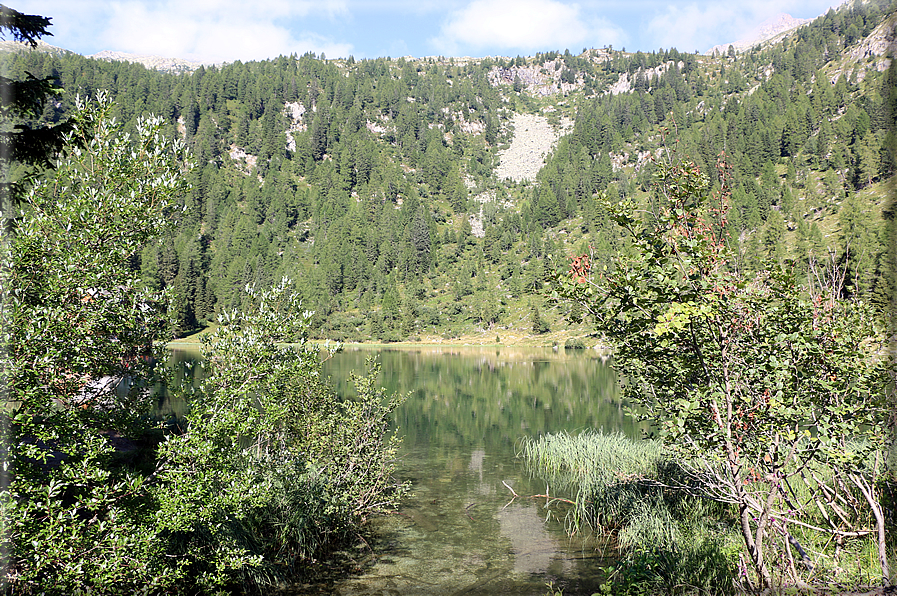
x: 22, y: 142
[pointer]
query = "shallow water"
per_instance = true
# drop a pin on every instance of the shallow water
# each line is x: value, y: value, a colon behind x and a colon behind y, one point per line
x: 463, y: 531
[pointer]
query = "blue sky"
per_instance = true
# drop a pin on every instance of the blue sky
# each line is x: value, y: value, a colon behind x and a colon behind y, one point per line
x: 228, y: 30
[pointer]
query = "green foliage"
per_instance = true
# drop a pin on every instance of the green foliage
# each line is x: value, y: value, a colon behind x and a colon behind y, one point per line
x: 268, y: 470
x: 750, y: 382
x: 24, y: 145
x: 574, y: 343
x: 340, y: 173
x: 78, y: 353
x: 271, y: 468
x: 538, y: 325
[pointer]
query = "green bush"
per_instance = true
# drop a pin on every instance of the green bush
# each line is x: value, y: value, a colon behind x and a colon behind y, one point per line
x: 272, y: 468
x: 266, y: 472
x: 751, y: 381
x: 78, y: 342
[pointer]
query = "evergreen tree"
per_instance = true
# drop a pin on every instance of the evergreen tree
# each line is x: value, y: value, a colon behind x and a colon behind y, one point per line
x: 537, y: 323
x: 23, y: 142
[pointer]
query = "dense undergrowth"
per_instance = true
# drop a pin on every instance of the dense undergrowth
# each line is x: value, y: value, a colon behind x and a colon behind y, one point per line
x: 267, y: 471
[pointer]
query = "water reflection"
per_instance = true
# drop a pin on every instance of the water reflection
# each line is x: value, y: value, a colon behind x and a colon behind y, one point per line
x: 532, y: 545
x: 462, y: 532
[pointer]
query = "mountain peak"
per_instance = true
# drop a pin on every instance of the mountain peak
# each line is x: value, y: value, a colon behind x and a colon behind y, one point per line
x: 172, y: 65
x: 769, y: 29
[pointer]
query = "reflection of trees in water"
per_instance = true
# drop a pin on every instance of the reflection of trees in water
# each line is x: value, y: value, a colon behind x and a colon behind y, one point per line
x: 490, y: 398
x: 476, y: 396
x: 187, y: 372
x: 467, y: 411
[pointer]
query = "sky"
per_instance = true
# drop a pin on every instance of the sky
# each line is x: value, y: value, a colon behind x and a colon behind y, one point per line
x: 227, y: 30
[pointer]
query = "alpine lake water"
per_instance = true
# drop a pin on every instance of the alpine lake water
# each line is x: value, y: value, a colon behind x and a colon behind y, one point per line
x: 462, y: 531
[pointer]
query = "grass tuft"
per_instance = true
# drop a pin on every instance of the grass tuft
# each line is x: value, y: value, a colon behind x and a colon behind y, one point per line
x: 668, y: 540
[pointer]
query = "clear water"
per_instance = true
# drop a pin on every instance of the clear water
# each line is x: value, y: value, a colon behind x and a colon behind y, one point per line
x: 463, y: 531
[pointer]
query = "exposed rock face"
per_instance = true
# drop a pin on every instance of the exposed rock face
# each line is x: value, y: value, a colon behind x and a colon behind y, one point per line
x: 767, y: 30
x: 172, y: 65
x: 533, y: 139
x: 881, y: 43
x: 19, y: 46
x: 538, y: 79
x: 294, y: 111
x: 624, y: 83
x: 239, y: 155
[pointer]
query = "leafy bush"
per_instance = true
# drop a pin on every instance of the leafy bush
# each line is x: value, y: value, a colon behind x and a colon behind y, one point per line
x: 272, y: 467
x: 751, y: 382
x: 268, y: 469
x: 79, y: 346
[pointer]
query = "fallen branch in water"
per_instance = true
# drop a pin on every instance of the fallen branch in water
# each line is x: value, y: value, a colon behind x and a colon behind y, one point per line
x: 548, y: 499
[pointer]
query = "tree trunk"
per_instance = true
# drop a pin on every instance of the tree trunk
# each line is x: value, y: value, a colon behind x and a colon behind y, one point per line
x: 755, y: 553
x: 868, y: 491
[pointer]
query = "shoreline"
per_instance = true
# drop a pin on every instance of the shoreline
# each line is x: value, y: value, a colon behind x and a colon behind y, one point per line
x: 516, y: 340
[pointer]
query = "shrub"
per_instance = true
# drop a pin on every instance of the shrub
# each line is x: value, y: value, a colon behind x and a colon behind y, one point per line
x: 267, y: 470
x: 79, y: 335
x: 750, y: 381
x: 272, y: 468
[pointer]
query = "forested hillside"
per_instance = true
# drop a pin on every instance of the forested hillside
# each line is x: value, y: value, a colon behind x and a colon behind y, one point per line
x: 372, y: 183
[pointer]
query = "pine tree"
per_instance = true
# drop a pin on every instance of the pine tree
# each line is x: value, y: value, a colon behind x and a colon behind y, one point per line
x: 538, y: 324
x: 22, y: 142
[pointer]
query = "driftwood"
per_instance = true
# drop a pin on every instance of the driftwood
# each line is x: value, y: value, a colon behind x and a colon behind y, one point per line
x: 548, y: 499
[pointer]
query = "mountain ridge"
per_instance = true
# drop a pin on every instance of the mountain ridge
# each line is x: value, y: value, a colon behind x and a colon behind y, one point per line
x: 153, y: 62
x: 415, y: 198
x: 773, y: 27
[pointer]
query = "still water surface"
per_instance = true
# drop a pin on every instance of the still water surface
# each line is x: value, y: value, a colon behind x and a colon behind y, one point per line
x: 462, y: 532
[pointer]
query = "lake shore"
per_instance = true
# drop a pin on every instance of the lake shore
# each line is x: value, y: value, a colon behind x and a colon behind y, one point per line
x: 495, y: 338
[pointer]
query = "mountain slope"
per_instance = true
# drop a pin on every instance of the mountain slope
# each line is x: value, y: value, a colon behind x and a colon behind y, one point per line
x: 769, y: 30
x: 411, y: 198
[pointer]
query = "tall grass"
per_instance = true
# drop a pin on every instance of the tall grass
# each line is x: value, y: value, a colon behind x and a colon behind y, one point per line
x: 668, y: 540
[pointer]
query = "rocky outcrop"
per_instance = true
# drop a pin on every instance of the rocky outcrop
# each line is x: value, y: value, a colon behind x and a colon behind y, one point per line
x: 624, y: 83
x: 172, y: 65
x: 294, y: 111
x: 533, y: 139
x: 42, y: 46
x: 537, y: 79
x: 878, y: 44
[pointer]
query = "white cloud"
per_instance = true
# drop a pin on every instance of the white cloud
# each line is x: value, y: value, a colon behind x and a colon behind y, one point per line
x: 217, y: 30
x: 691, y: 27
x: 522, y: 25
x: 206, y: 30
x: 701, y: 25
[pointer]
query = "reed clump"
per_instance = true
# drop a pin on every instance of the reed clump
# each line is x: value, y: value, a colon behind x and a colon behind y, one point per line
x: 669, y: 540
x: 674, y: 536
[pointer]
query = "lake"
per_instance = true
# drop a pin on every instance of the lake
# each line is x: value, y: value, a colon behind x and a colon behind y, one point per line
x: 462, y: 532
